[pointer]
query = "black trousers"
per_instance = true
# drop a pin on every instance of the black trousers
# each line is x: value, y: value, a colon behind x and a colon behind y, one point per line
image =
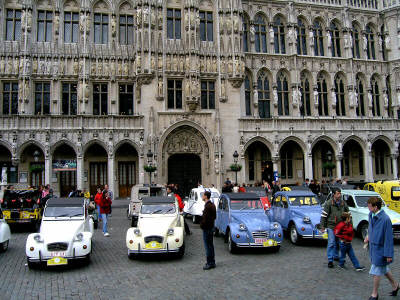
x: 208, y: 238
x: 187, y: 229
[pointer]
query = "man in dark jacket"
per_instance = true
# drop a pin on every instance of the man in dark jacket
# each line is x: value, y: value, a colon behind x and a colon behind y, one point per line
x: 330, y: 216
x: 207, y: 224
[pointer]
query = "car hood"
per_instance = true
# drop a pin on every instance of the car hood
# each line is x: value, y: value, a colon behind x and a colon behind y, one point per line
x: 313, y: 212
x: 394, y: 216
x: 55, y: 231
x: 156, y: 225
x: 252, y: 220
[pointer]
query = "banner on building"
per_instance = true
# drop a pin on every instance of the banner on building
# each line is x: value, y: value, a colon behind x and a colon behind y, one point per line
x: 64, y: 165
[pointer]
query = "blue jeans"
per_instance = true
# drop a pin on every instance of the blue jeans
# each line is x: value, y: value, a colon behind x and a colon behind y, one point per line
x: 98, y: 212
x: 208, y: 238
x: 346, y: 248
x: 104, y: 217
x: 333, y: 245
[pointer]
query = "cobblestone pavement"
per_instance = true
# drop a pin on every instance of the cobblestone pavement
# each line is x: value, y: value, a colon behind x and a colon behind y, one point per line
x: 296, y: 272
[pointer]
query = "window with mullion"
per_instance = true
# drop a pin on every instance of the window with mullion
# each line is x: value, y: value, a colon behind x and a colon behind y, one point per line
x: 360, y: 109
x: 340, y: 99
x: 260, y: 35
x: 42, y: 98
x: 376, y: 108
x: 71, y: 27
x: 379, y: 161
x: 283, y: 95
x: 101, y: 28
x: 247, y: 95
x: 246, y: 34
x: 174, y: 19
x: 206, y: 26
x: 287, y: 163
x: 370, y: 43
x: 10, y: 98
x: 305, y: 108
x: 126, y: 30
x: 69, y: 98
x: 207, y: 94
x: 356, y: 43
x: 264, y: 99
x: 100, y: 99
x: 174, y: 94
x: 44, y: 26
x: 322, y: 97
x: 335, y: 35
x: 126, y: 99
x: 318, y: 39
x: 301, y: 38
x: 279, y: 36
x: 13, y: 24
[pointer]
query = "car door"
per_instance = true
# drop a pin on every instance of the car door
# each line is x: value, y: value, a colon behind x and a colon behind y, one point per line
x: 191, y: 202
x: 357, y: 218
x: 277, y: 209
x: 219, y: 214
x: 285, y: 212
x: 224, y: 215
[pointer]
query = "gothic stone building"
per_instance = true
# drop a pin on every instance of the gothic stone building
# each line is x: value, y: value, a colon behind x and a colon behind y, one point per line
x: 307, y: 88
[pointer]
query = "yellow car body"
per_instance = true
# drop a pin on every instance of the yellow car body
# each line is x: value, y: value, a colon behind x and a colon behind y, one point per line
x: 21, y: 215
x: 389, y: 191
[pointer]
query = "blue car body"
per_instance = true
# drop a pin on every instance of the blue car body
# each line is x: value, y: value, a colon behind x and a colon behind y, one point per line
x: 293, y: 215
x: 250, y: 227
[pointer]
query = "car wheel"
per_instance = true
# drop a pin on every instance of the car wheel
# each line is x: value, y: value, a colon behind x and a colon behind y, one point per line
x: 87, y: 259
x: 4, y: 246
x: 181, y: 251
x: 364, y: 230
x: 216, y: 231
x: 132, y: 256
x: 276, y: 249
x: 133, y: 222
x: 32, y: 265
x: 294, y: 235
x: 231, y: 244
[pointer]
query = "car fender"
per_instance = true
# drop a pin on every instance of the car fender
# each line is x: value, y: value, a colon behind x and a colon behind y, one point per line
x: 38, y: 246
x: 5, y: 233
x: 171, y: 239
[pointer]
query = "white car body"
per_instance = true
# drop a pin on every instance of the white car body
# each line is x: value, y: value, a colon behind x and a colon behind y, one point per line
x: 157, y: 232
x: 62, y: 238
x: 5, y: 233
x: 195, y: 204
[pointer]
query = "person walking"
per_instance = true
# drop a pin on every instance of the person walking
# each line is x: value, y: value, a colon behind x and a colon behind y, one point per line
x: 330, y: 216
x: 381, y: 251
x: 105, y: 209
x: 110, y: 194
x: 275, y: 187
x: 97, y: 200
x: 172, y: 193
x: 345, y: 232
x: 207, y: 225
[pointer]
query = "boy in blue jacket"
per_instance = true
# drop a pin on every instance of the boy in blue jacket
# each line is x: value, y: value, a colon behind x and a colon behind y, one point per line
x: 380, y: 239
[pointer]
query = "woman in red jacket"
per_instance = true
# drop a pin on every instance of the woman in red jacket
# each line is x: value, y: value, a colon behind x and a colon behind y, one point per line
x: 97, y: 200
x: 105, y: 209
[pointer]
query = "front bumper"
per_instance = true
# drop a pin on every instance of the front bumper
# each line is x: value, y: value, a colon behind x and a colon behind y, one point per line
x: 141, y: 250
x: 45, y: 259
x: 257, y: 245
x: 316, y: 236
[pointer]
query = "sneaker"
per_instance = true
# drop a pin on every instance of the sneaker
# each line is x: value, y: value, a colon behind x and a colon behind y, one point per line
x: 330, y: 264
x: 342, y: 267
x: 336, y: 259
x: 360, y: 268
x: 106, y: 234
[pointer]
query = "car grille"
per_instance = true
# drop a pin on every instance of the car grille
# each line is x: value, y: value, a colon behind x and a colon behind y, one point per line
x: 57, y: 246
x: 396, y: 229
x: 260, y: 234
x: 15, y: 215
x: 151, y: 238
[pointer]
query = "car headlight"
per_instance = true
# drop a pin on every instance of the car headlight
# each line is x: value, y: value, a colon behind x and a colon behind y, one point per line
x: 38, y: 238
x: 136, y: 232
x: 306, y: 220
x: 242, y: 227
x: 275, y: 226
x: 79, y: 237
x: 170, y: 231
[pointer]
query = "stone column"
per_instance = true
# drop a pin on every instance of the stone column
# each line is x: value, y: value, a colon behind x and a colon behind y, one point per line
x: 394, y: 164
x: 275, y: 161
x: 141, y: 170
x: 110, y: 171
x: 369, y: 174
x: 48, y: 159
x: 308, y: 172
x: 339, y: 159
x: 79, y: 172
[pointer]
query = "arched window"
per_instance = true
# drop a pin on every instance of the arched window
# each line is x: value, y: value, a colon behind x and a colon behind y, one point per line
x: 335, y: 34
x: 264, y: 98
x: 340, y: 99
x: 356, y: 42
x: 360, y: 109
x: 305, y: 108
x: 279, y: 36
x: 318, y: 39
x: 247, y: 94
x: 323, y: 109
x: 369, y: 34
x: 301, y: 38
x: 260, y: 34
x: 283, y: 94
x: 246, y: 34
x: 376, y: 108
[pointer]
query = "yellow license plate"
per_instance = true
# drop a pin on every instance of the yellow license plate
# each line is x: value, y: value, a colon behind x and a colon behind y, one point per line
x: 57, y: 261
x: 270, y: 243
x: 325, y: 236
x: 153, y: 245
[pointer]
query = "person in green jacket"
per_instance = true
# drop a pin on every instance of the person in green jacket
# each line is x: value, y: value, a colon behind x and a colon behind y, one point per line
x: 330, y: 217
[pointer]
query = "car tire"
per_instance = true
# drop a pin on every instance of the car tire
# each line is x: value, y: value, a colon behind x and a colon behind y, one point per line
x: 231, y: 244
x: 132, y: 256
x: 216, y: 232
x: 4, y: 246
x: 96, y: 224
x: 36, y: 226
x: 32, y: 265
x: 364, y: 230
x: 295, y: 238
x: 134, y: 222
x: 181, y: 251
x: 276, y: 249
x: 87, y: 259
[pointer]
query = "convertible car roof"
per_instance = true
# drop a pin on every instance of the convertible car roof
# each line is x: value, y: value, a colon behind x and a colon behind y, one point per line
x: 243, y: 196
x: 64, y: 202
x: 298, y: 193
x: 148, y: 200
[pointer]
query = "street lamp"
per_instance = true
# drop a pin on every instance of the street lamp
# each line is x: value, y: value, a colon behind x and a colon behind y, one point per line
x: 149, y: 162
x: 36, y: 155
x: 329, y: 155
x: 235, y: 160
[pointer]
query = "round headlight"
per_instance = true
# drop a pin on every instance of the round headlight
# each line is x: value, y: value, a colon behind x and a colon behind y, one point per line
x: 242, y: 227
x: 170, y: 231
x: 276, y: 226
x: 136, y: 231
x: 37, y: 238
x: 79, y: 236
x: 306, y: 220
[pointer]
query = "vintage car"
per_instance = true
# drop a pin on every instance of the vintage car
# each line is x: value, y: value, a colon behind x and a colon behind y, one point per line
x: 389, y: 191
x: 5, y: 233
x: 260, y: 191
x: 357, y: 200
x: 137, y: 194
x: 194, y: 204
x: 21, y: 206
x: 65, y: 234
x: 299, y: 213
x: 159, y: 228
x: 244, y: 223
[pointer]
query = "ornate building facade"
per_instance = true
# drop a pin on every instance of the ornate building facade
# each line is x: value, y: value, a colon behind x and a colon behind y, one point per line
x: 308, y: 89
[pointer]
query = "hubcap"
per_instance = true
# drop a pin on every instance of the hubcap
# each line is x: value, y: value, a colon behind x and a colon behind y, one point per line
x: 293, y: 235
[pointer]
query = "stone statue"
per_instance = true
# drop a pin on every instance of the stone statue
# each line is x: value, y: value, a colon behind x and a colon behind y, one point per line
x: 252, y: 33
x: 316, y: 98
x: 152, y: 62
x: 4, y: 176
x: 21, y: 66
x: 271, y: 35
x: 93, y: 67
x: 228, y: 24
x: 223, y: 88
x: 275, y: 94
x: 9, y: 65
x: 139, y: 16
x: 153, y: 18
x: 87, y: 24
x: 387, y: 42
x: 230, y: 67
x: 112, y: 67
x: 55, y: 68
x: 175, y: 63
x: 35, y: 66
x: 42, y: 66
x: 62, y: 66
x: 187, y: 63
x: 106, y: 67
x: 16, y: 65
x: 208, y: 64
x: 146, y: 15
x: 126, y: 68
x: 333, y: 97
x: 86, y: 91
x: 237, y: 67
x: 398, y: 99
x: 20, y: 92
x: 181, y: 63
x: 99, y: 68
x: 329, y: 39
x: 23, y: 20
x: 187, y: 88
x: 160, y: 18
x: 370, y: 99
x: 113, y: 26
x: 311, y: 35
x: 160, y: 62
x: 186, y: 20
x: 160, y: 87
x: 138, y: 63
x: 295, y: 96
x: 346, y: 41
x: 119, y: 67
x: 28, y: 66
x: 81, y: 65
x: 291, y: 35
x: 82, y: 22
x: 192, y: 19
x: 385, y: 99
x: 56, y: 24
x: 350, y: 41
x: 214, y: 65
x: 365, y: 43
x: 236, y: 24
x: 80, y: 91
x: 75, y: 67
x: 351, y: 98
x: 356, y: 98
x: 27, y: 90
x: 2, y: 65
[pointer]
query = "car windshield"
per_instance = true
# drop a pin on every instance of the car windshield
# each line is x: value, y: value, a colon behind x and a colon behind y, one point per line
x: 213, y: 195
x: 246, y: 204
x: 149, y: 209
x: 362, y: 201
x: 303, y: 200
x: 395, y: 192
x: 57, y: 212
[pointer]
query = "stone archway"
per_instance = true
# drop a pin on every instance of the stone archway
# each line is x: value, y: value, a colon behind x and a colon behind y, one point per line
x: 187, y: 142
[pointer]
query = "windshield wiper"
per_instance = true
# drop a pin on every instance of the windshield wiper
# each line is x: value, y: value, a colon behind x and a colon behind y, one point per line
x: 243, y: 208
x: 76, y: 215
x: 167, y: 210
x: 63, y: 215
x: 156, y: 211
